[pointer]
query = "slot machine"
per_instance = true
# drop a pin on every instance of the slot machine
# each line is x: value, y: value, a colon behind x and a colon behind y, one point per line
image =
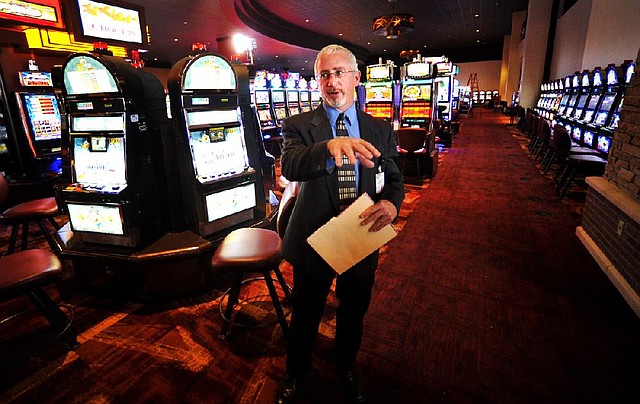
x: 305, y: 95
x: 605, y: 133
x: 277, y: 98
x: 314, y: 91
x: 446, y: 72
x: 293, y: 101
x: 417, y: 88
x: 220, y: 187
x: 379, y: 91
x: 114, y: 191
x: 10, y: 159
x: 586, y: 85
x: 266, y: 119
x: 40, y: 115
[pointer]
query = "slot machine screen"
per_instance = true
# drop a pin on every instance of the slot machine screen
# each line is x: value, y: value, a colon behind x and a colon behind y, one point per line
x: 292, y: 95
x: 615, y: 120
x: 99, y: 160
x: 443, y: 90
x: 230, y: 201
x: 85, y: 75
x: 217, y: 152
x: 42, y: 116
x: 416, y: 92
x: 580, y: 107
x: 588, y: 138
x: 378, y: 93
x: 304, y: 96
x: 294, y: 111
x: 604, y: 143
x: 379, y: 73
x: 591, y: 108
x: 264, y: 115
x: 262, y: 97
x: 576, y: 133
x: 418, y: 70
x: 315, y: 96
x: 101, y: 123
x: 570, y: 105
x: 281, y: 113
x: 603, y: 111
x: 277, y: 96
x: 105, y: 219
x: 209, y: 72
x: 212, y: 117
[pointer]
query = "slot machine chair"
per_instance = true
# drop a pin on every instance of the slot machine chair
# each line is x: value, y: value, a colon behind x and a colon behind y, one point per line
x: 37, y: 210
x: 543, y: 139
x: 572, y: 163
x: 27, y: 273
x: 255, y: 250
x: 560, y: 147
x: 414, y: 145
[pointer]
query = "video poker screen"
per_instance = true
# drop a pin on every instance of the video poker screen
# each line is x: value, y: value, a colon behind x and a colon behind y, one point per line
x: 605, y: 107
x: 42, y: 114
x: 218, y: 152
x: 262, y: 97
x: 99, y: 160
x: 106, y: 219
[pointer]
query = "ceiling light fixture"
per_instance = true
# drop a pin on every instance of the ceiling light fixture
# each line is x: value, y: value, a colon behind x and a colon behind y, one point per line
x: 391, y: 26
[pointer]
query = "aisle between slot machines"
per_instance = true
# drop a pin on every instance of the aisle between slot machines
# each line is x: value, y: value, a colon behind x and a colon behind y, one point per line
x: 120, y: 238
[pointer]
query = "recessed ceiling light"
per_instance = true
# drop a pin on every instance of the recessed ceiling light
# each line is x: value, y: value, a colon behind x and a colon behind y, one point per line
x: 184, y: 22
x: 339, y: 34
x: 307, y: 20
x: 477, y: 30
x: 478, y: 41
x: 175, y: 39
x: 155, y: 58
x: 276, y: 55
x: 477, y: 15
x: 368, y: 43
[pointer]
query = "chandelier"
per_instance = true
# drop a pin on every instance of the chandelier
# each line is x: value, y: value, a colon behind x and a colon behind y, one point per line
x: 391, y: 26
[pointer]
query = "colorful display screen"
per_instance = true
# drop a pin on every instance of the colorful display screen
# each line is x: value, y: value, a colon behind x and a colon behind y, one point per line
x: 379, y: 73
x: 418, y: 70
x: 576, y: 133
x: 106, y: 219
x: 605, y: 107
x: 378, y: 93
x: 315, y: 96
x: 304, y: 96
x: 262, y: 97
x: 604, y: 143
x: 213, y: 117
x: 588, y: 138
x: 35, y: 79
x: 591, y: 107
x: 108, y: 21
x: 378, y: 110
x: 42, y: 114
x: 209, y: 72
x: 86, y: 75
x: 416, y: 109
x: 615, y: 120
x: 281, y: 113
x: 217, y: 152
x: 265, y: 116
x: 230, y: 201
x: 292, y: 96
x: 416, y: 92
x: 277, y: 96
x: 99, y: 160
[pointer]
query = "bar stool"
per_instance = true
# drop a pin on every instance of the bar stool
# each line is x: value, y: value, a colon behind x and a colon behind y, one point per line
x: 38, y: 210
x: 255, y: 251
x: 27, y: 272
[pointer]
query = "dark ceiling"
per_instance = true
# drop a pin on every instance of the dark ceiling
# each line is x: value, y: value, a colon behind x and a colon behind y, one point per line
x: 288, y: 33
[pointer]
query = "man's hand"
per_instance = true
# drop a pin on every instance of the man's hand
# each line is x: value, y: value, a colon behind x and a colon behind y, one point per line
x: 354, y: 149
x: 381, y: 214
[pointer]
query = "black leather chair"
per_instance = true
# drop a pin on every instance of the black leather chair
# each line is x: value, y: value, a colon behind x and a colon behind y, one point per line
x: 39, y: 211
x: 255, y: 251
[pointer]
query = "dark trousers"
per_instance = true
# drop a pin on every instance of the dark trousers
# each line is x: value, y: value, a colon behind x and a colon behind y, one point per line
x: 311, y: 285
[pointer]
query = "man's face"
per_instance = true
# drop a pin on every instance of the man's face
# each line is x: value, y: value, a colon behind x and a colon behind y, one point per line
x: 337, y: 92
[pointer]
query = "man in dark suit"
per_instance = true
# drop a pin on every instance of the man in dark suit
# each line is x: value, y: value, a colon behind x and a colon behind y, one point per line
x: 312, y: 154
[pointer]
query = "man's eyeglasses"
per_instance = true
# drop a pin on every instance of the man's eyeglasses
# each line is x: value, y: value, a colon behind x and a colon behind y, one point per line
x: 337, y: 74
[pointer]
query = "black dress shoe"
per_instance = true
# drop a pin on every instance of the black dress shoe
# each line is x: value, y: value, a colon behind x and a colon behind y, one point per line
x: 354, y: 386
x: 288, y: 389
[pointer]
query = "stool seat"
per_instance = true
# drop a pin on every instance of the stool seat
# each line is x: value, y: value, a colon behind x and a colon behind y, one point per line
x: 28, y: 272
x: 248, y: 250
x: 32, y: 210
x: 25, y: 270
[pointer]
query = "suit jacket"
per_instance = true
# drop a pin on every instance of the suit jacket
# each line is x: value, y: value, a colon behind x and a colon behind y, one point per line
x: 304, y: 159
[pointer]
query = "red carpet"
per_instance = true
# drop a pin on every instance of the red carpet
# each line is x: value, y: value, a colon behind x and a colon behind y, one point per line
x: 486, y: 295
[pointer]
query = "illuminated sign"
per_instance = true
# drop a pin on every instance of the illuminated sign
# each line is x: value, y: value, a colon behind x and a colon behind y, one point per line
x: 40, y: 12
x: 121, y: 22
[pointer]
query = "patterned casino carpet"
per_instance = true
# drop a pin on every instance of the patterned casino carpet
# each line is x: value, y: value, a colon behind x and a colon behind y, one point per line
x: 486, y: 295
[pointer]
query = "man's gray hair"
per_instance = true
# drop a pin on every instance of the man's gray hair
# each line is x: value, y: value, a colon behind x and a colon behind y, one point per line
x: 330, y: 49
